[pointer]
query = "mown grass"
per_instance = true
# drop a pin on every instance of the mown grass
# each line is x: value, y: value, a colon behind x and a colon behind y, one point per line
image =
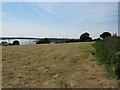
x: 107, y: 53
x: 52, y: 66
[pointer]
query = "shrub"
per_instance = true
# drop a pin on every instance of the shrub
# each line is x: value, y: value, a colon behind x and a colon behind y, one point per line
x: 16, y: 42
x: 43, y: 41
x: 106, y: 52
x: 85, y: 37
x: 105, y: 34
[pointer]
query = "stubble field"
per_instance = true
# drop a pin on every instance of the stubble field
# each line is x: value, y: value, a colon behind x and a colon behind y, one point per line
x: 68, y: 65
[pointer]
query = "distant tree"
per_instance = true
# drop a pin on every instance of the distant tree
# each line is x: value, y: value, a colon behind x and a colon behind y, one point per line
x: 105, y: 34
x: 73, y: 40
x: 43, y: 41
x: 16, y: 42
x: 89, y: 39
x: 85, y: 37
x: 97, y: 39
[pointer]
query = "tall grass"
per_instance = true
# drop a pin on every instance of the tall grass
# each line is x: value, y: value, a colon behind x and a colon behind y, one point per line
x: 107, y: 52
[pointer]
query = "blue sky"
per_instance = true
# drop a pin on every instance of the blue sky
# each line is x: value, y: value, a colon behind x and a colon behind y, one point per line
x: 60, y: 19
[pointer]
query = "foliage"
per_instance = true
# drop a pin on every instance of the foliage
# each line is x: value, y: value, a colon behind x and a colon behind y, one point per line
x: 97, y: 39
x: 106, y: 52
x: 72, y: 40
x: 85, y: 37
x: 16, y: 42
x: 105, y: 34
x: 43, y: 41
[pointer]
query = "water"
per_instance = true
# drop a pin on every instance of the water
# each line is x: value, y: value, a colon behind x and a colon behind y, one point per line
x: 22, y: 42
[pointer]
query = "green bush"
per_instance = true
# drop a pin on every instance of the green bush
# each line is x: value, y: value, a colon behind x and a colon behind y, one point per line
x: 43, y: 41
x: 106, y: 51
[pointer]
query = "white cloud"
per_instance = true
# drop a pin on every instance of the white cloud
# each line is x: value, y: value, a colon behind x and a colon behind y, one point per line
x: 46, y: 9
x: 50, y: 11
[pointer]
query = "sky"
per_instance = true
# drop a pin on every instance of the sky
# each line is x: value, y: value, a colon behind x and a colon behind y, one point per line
x: 58, y: 19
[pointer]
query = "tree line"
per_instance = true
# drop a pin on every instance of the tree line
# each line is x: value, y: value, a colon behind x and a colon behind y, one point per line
x: 85, y: 37
x: 16, y: 42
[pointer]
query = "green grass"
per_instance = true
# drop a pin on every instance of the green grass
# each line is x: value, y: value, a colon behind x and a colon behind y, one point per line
x: 106, y: 52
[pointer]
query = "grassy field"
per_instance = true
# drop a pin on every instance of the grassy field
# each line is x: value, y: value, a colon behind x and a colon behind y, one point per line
x: 53, y: 66
x: 0, y: 67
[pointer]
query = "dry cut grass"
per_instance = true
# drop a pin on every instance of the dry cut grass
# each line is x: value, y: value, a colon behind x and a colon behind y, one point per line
x: 53, y: 66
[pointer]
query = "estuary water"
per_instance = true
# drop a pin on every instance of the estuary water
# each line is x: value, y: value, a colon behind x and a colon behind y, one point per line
x: 22, y: 42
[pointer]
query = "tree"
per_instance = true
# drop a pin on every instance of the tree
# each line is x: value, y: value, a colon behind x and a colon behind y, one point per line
x: 97, y: 39
x: 45, y: 40
x: 85, y: 37
x: 105, y: 34
x: 16, y: 42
